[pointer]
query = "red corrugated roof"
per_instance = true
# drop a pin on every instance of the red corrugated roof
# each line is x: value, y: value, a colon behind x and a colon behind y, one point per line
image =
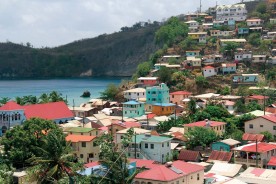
x: 257, y: 171
x: 163, y: 173
x: 79, y: 138
x: 181, y: 93
x: 178, y: 135
x: 50, y: 111
x: 150, y: 116
x: 270, y: 117
x: 262, y: 147
x: 252, y: 137
x: 272, y: 161
x: 92, y: 164
x: 208, y: 67
x: 189, y: 155
x: 220, y: 155
x: 203, y: 124
x: 11, y: 105
x: 257, y: 97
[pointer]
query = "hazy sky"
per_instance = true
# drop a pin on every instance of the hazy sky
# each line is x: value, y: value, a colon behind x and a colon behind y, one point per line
x: 56, y: 22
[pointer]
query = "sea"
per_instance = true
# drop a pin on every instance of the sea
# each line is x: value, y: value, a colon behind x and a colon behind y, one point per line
x: 71, y: 89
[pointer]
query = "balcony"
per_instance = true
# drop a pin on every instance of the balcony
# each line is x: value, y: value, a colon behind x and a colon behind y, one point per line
x: 247, y: 161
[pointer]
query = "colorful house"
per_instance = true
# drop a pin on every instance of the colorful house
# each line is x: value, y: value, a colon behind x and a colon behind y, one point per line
x: 177, y: 97
x: 135, y: 94
x: 218, y: 127
x: 240, y: 41
x: 219, y: 33
x: 133, y: 109
x: 192, y: 53
x: 150, y: 147
x: 258, y: 58
x: 243, y: 56
x: 227, y: 68
x: 254, y: 22
x: 209, y: 71
x: 200, y: 37
x: 148, y: 81
x: 246, y: 78
x: 217, y: 24
x: 259, y: 99
x: 207, y: 26
x: 157, y: 94
x: 81, y: 131
x: 84, y: 147
x: 243, y: 31
x: 192, y: 63
x: 225, y: 145
x: 12, y: 114
x: 163, y: 109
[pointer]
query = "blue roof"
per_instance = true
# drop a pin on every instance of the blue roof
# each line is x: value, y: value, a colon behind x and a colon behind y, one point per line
x: 132, y: 103
x: 164, y: 104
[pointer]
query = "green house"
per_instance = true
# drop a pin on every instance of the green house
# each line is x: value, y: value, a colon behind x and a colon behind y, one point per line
x: 225, y: 145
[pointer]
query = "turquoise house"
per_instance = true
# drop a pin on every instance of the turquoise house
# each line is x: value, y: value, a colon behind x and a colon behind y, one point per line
x: 246, y: 78
x: 157, y: 94
x: 227, y: 68
x: 133, y: 109
x: 225, y: 145
x: 194, y: 53
x: 243, y: 30
x: 231, y: 22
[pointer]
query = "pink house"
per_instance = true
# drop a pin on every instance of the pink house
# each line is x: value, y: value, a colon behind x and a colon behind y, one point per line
x: 177, y: 96
x: 148, y: 81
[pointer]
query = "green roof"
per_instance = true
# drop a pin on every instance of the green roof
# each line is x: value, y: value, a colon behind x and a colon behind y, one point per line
x: 149, y: 138
x: 78, y: 129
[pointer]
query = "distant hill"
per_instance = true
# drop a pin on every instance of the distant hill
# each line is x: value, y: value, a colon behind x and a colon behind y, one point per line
x: 116, y: 54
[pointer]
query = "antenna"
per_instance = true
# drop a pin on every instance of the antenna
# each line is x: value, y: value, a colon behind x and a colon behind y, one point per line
x: 200, y: 6
x: 74, y: 108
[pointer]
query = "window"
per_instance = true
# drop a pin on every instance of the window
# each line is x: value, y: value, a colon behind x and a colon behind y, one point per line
x: 250, y: 125
x: 172, y: 96
x: 83, y: 144
x: 162, y: 145
x: 122, y: 136
x: 91, y: 155
x: 274, y: 127
x: 146, y: 145
x: 168, y: 144
x: 191, y: 177
x: 261, y: 126
x: 137, y: 155
x: 94, y: 144
x: 151, y: 146
x: 81, y: 155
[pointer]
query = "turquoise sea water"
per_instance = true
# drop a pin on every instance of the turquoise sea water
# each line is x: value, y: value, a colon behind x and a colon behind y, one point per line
x: 70, y: 88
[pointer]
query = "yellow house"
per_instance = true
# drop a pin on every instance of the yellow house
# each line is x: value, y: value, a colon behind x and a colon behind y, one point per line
x: 81, y: 131
x: 84, y: 147
x: 218, y: 127
x: 163, y: 109
x: 199, y: 36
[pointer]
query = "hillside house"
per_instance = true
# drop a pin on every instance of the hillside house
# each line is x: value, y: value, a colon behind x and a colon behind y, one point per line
x: 218, y: 127
x: 217, y: 24
x: 117, y: 126
x: 133, y: 109
x: 207, y: 26
x: 272, y: 21
x: 257, y: 175
x: 157, y: 94
x: 272, y: 60
x: 83, y: 111
x: 240, y: 41
x: 192, y: 63
x: 192, y: 53
x: 254, y: 22
x: 243, y: 30
x: 261, y: 124
x: 249, y: 138
x: 271, y: 35
x: 208, y: 19
x: 237, y: 12
x: 135, y: 94
x: 258, y: 58
x: 158, y: 66
x: 212, y: 58
x: 220, y: 34
x: 225, y: 145
x: 189, y: 156
x: 229, y: 106
x: 246, y: 154
x: 200, y: 37
x: 243, y: 56
x: 12, y: 114
x: 80, y: 131
x: 209, y: 71
x: 148, y: 81
x: 177, y: 97
x: 173, y: 172
x: 163, y: 109
x: 227, y: 68
x: 259, y: 99
x: 245, y: 78
x: 84, y: 147
x: 167, y: 58
x: 150, y: 147
x: 220, y: 156
x: 192, y: 25
x: 255, y: 29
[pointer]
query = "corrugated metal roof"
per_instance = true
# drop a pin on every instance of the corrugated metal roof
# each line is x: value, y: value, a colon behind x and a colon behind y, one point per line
x: 220, y: 155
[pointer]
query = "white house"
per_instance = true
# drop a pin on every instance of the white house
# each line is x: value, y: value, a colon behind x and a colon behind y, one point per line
x: 240, y: 56
x: 209, y: 71
x: 219, y: 33
x: 258, y: 58
x: 193, y: 25
x: 150, y: 147
x: 207, y: 26
x: 239, y: 41
x: 272, y: 60
x: 271, y: 35
x: 254, y: 22
x: 235, y: 12
x: 135, y: 94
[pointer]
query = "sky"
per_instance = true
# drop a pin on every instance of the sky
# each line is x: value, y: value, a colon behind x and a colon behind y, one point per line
x: 57, y: 22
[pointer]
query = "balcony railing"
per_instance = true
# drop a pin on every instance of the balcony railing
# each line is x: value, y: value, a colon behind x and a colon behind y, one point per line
x: 244, y: 160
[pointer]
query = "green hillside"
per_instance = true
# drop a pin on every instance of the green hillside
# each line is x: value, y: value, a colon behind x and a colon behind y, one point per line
x: 116, y: 54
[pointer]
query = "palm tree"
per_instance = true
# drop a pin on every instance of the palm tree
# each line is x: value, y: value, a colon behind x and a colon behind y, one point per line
x: 56, y: 160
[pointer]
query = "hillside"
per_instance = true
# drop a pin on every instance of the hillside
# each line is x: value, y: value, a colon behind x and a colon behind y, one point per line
x: 116, y: 54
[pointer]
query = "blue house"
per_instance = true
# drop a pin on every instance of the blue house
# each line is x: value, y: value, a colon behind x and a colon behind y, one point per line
x: 157, y: 94
x: 243, y: 31
x: 225, y: 145
x: 227, y: 68
x: 231, y: 22
x: 246, y: 78
x: 133, y: 109
x: 192, y: 53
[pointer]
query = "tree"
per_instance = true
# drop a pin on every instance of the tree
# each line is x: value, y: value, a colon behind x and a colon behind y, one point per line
x: 252, y: 106
x: 54, y: 161
x: 268, y: 136
x: 192, y: 106
x: 261, y: 8
x: 200, y: 136
x: 230, y: 48
x: 6, y: 173
x: 110, y: 92
x: 224, y: 91
x: 254, y: 39
x: 143, y: 69
x: 217, y: 111
x: 4, y: 100
x: 20, y: 142
x: 164, y: 75
x: 201, y: 81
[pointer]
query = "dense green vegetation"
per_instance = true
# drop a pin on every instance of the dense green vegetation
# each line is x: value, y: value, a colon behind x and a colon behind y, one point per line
x: 116, y: 54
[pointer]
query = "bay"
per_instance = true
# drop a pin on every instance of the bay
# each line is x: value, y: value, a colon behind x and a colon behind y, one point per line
x: 72, y: 89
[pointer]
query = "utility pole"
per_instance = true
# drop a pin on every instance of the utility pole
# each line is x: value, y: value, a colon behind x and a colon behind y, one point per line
x: 200, y: 6
x: 256, y: 153
x: 135, y: 145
